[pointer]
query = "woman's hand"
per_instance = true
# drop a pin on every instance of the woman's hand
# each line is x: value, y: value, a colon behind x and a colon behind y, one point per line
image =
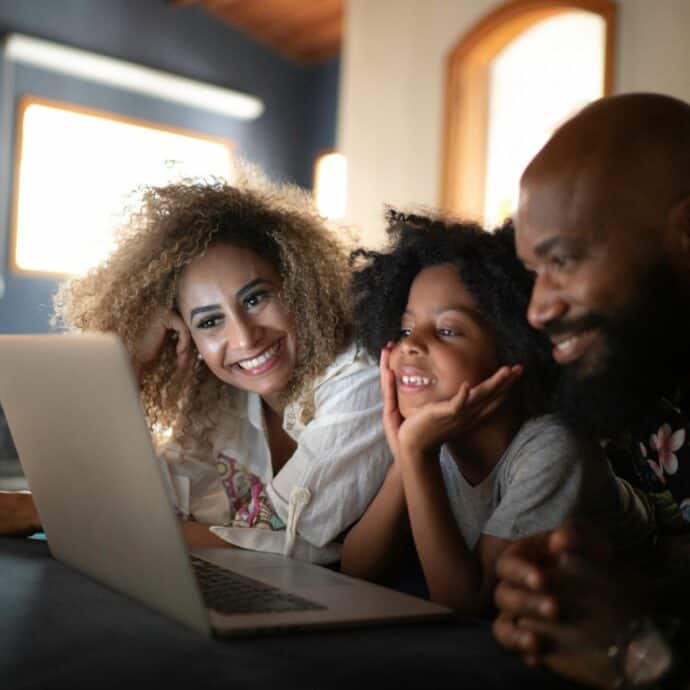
x: 436, y: 422
x: 18, y: 515
x: 164, y: 323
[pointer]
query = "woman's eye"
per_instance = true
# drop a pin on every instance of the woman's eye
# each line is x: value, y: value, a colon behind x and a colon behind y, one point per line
x: 209, y: 322
x: 255, y: 299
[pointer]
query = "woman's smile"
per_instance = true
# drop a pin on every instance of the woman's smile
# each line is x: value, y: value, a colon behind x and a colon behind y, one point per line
x: 262, y: 362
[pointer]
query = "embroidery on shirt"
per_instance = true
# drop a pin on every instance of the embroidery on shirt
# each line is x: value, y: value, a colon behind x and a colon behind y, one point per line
x: 247, y: 496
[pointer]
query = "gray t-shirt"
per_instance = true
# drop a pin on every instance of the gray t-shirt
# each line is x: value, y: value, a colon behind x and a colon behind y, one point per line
x: 546, y: 475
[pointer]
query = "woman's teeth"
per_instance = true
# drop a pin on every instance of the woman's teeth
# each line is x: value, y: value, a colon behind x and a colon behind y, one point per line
x: 416, y: 381
x: 261, y: 359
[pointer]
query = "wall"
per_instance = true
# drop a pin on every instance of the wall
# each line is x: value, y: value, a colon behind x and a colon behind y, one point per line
x: 300, y: 102
x: 392, y: 89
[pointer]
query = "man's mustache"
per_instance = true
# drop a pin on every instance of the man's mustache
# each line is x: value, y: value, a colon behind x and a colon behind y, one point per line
x: 584, y: 323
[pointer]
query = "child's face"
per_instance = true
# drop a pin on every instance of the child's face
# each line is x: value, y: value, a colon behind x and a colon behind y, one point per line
x: 444, y: 341
x: 230, y: 300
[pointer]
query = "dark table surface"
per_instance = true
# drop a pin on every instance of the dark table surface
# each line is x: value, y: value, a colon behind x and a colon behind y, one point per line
x: 59, y: 629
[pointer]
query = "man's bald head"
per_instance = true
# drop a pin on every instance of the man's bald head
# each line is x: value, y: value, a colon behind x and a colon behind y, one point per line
x: 604, y: 220
x: 635, y: 147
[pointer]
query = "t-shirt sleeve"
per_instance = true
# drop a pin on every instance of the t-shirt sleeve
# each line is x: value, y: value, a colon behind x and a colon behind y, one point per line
x: 548, y: 475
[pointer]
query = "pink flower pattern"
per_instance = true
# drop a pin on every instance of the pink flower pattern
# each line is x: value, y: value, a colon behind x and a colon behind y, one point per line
x: 666, y: 442
x: 656, y: 467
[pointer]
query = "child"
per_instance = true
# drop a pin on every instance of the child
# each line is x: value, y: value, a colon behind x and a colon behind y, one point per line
x: 466, y: 384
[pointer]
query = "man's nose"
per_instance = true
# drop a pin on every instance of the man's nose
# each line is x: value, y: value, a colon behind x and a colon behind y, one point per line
x: 547, y: 303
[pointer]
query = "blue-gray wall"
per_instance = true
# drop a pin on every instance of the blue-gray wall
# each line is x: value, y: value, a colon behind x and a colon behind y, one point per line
x: 298, y: 122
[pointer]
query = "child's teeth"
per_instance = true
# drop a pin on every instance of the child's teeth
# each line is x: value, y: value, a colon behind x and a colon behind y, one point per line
x: 416, y: 381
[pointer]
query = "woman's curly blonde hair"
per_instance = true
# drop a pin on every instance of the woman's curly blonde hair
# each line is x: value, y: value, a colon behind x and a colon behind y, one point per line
x: 176, y: 224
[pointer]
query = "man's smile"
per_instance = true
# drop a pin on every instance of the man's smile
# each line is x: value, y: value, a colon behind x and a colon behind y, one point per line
x: 569, y: 347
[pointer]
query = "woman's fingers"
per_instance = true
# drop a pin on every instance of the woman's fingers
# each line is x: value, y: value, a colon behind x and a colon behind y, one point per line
x: 174, y: 323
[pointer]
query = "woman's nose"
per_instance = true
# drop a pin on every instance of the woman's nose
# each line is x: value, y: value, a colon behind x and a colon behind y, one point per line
x: 242, y: 333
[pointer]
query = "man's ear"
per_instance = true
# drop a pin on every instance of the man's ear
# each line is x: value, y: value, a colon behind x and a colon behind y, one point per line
x: 679, y: 232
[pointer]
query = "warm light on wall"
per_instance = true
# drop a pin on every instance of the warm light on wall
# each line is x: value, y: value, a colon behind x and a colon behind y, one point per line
x: 76, y: 170
x: 330, y: 185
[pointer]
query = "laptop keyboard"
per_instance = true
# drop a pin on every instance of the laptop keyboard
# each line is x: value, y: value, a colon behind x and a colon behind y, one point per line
x: 228, y: 592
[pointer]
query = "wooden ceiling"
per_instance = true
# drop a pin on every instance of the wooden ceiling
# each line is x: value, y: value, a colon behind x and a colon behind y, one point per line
x: 308, y: 31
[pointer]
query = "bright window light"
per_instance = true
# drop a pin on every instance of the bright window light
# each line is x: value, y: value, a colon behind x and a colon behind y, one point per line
x: 77, y: 170
x: 330, y: 185
x: 537, y: 82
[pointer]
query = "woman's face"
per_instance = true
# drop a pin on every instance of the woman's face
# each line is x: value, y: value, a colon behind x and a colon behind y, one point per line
x: 230, y: 300
x: 443, y: 343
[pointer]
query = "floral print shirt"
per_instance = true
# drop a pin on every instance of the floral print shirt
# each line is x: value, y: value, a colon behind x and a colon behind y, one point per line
x: 655, y: 457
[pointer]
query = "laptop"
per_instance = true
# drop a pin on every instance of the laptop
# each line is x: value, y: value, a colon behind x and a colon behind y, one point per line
x: 73, y: 408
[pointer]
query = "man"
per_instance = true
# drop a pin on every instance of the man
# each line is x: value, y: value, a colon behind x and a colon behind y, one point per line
x: 604, y: 222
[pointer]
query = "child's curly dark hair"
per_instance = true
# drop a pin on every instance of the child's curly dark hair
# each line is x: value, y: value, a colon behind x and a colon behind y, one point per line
x: 488, y: 267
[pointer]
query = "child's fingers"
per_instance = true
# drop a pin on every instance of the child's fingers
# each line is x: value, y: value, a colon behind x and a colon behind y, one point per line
x: 390, y: 399
x: 499, y: 383
x: 388, y: 392
x: 457, y: 402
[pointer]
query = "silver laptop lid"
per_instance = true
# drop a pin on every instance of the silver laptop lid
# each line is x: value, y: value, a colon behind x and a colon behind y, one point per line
x: 75, y: 415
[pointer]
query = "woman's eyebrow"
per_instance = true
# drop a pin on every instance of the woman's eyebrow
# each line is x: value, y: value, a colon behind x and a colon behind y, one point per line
x: 201, y: 310
x: 242, y: 292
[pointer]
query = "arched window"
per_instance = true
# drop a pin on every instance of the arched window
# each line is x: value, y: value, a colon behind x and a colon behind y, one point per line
x: 512, y: 80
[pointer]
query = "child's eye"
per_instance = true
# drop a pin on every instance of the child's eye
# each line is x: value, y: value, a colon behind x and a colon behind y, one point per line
x: 560, y: 261
x: 255, y: 299
x: 445, y: 332
x: 404, y: 332
x: 210, y: 321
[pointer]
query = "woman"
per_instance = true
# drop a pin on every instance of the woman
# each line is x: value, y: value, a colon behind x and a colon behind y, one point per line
x: 233, y: 302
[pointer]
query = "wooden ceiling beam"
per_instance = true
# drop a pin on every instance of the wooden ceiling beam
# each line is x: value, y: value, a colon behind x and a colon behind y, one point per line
x: 305, y: 30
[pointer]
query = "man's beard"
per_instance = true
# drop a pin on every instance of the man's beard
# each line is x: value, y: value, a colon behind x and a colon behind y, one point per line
x: 646, y: 355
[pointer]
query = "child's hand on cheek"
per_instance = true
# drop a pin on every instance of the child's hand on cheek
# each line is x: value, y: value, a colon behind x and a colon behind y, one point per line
x: 435, y: 423
x: 392, y: 419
